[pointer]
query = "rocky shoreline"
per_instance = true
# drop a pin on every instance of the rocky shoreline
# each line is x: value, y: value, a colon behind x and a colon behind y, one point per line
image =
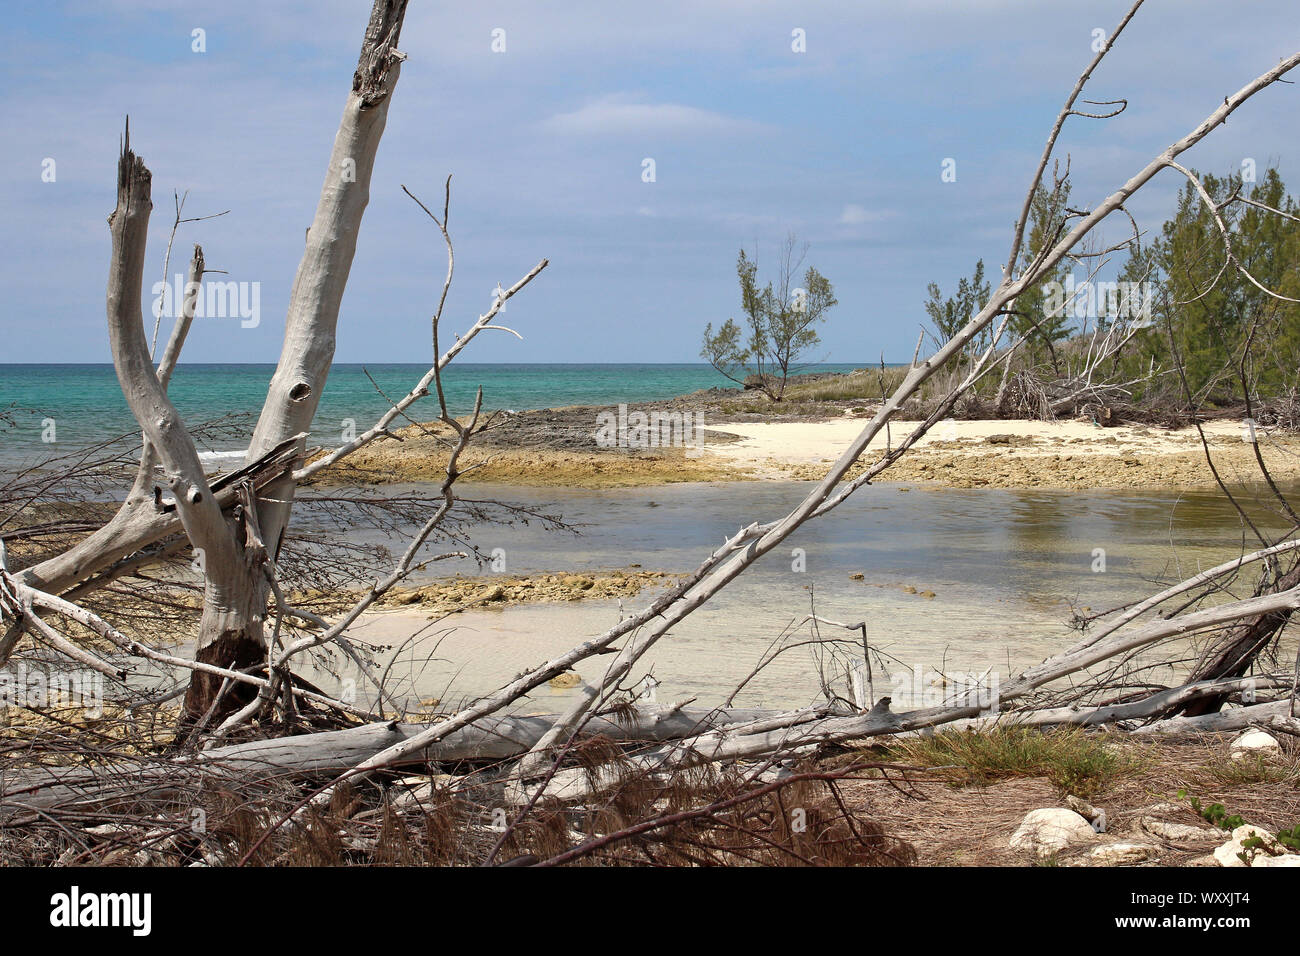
x: 729, y: 437
x: 449, y: 595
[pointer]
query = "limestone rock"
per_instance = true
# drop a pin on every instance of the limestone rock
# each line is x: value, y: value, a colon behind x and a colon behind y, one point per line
x: 1177, y: 832
x: 1227, y: 855
x: 1122, y: 854
x: 1254, y: 742
x: 1048, y: 830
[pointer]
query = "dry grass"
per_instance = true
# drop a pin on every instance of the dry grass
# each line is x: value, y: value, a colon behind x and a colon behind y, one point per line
x: 950, y: 799
x: 864, y: 385
x: 971, y: 824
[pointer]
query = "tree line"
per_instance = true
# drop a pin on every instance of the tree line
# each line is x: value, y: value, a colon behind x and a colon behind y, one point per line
x: 1204, y: 334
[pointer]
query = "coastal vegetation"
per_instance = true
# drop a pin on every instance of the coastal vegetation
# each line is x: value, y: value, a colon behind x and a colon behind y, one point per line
x: 782, y: 320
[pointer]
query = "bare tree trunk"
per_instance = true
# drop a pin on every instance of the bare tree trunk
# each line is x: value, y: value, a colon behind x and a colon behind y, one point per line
x: 1233, y: 654
x: 314, y: 302
x: 231, y: 631
x: 226, y: 565
x: 230, y: 634
x: 320, y: 754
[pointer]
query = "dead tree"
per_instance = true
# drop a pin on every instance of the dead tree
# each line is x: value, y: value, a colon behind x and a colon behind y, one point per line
x: 237, y: 527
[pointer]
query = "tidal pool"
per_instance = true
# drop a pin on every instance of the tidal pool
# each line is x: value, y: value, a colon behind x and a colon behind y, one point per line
x: 1006, y: 570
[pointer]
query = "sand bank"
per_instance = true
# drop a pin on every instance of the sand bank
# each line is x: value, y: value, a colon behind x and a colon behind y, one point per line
x: 1020, y: 454
x: 558, y: 450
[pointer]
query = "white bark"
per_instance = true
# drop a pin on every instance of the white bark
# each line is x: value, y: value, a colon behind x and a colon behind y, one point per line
x: 320, y: 754
x: 317, y: 292
x: 1236, y: 718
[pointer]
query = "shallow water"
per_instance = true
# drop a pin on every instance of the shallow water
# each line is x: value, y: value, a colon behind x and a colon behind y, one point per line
x: 1006, y: 568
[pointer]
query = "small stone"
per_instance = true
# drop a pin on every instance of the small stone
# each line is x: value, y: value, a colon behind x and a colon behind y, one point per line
x: 856, y: 576
x: 1230, y: 853
x: 1177, y: 832
x: 1254, y: 742
x: 1051, y: 829
x: 1122, y: 854
x: 1158, y: 808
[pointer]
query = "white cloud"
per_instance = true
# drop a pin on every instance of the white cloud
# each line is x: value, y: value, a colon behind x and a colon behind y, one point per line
x: 855, y: 215
x: 620, y: 114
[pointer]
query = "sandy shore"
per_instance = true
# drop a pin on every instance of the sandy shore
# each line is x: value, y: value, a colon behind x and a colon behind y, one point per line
x: 1019, y: 454
x: 557, y: 449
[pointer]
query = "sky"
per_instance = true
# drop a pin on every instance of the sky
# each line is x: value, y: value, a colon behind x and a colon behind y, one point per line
x: 843, y: 144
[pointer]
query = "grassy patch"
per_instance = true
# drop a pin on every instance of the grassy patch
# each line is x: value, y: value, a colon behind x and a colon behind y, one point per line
x: 1071, y: 760
x: 860, y: 386
x: 1252, y: 768
x: 791, y: 407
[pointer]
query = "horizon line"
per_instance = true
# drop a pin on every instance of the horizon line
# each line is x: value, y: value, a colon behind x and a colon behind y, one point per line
x: 425, y: 364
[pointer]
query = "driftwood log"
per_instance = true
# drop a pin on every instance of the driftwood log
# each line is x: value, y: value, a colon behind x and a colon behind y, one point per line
x: 333, y: 752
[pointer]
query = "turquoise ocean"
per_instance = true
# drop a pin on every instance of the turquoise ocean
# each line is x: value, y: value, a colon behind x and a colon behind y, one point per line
x: 84, y: 403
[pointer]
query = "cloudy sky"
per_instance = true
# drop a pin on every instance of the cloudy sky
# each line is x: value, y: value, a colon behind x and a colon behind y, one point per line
x: 843, y: 144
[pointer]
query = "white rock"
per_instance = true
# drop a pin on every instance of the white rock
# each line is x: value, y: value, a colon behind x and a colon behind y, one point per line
x: 1227, y: 854
x: 1287, y: 859
x: 1051, y: 829
x: 1159, y: 808
x: 1252, y: 742
x: 1178, y: 832
x: 1122, y: 854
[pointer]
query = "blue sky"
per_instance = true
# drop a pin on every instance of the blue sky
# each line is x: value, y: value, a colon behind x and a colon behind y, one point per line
x: 842, y: 144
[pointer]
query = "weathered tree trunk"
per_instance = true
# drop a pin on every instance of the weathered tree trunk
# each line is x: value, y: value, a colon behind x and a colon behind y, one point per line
x: 1234, y: 653
x: 321, y: 754
x: 233, y: 552
x: 226, y: 596
x: 231, y: 631
x: 317, y: 292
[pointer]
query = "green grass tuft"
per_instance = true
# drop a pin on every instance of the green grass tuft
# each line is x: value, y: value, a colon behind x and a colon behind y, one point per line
x: 1075, y: 762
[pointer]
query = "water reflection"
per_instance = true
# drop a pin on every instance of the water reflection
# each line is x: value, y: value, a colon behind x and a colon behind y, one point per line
x: 1004, y: 569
